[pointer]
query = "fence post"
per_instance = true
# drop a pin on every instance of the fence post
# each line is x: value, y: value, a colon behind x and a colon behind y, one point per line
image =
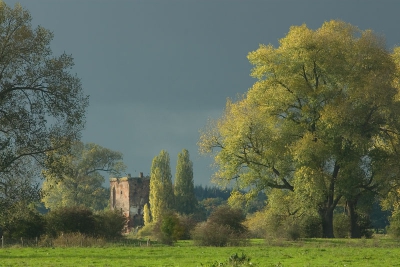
x: 2, y: 241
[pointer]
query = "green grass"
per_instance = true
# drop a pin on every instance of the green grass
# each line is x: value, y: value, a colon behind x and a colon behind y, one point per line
x: 310, y: 252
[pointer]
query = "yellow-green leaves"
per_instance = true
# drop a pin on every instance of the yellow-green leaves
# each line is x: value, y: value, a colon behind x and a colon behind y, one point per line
x: 74, y: 177
x: 320, y: 118
x: 161, y: 196
x: 185, y: 199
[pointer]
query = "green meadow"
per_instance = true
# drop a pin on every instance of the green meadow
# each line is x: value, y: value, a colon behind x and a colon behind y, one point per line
x: 310, y: 252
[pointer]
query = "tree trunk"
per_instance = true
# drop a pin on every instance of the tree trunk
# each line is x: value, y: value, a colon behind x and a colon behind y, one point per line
x: 326, y: 210
x: 351, y: 211
x: 327, y: 222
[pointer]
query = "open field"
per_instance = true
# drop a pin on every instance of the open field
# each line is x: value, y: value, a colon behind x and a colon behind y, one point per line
x: 311, y: 252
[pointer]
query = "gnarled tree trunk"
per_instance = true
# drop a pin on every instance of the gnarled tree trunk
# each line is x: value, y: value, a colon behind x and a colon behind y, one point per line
x: 352, y: 213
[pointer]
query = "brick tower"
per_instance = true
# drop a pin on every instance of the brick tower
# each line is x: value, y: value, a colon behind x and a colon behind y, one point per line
x: 129, y: 195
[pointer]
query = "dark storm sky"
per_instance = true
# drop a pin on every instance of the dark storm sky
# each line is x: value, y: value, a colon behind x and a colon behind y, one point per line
x: 157, y: 70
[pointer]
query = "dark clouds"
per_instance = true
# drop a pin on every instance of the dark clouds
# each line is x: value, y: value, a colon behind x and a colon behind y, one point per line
x: 157, y: 70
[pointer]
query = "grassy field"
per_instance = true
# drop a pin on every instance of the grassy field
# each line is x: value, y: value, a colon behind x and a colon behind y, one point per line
x: 311, y: 252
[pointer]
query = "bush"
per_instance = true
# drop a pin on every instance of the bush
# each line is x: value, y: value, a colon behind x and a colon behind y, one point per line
x: 292, y: 230
x: 256, y: 224
x: 223, y: 227
x: 274, y: 225
x: 394, y: 226
x: 188, y: 223
x: 70, y: 220
x: 146, y: 232
x: 311, y: 227
x: 109, y: 224
x: 365, y: 225
x: 225, y: 215
x: 168, y: 230
x: 290, y: 227
x: 212, y: 234
x: 341, y: 225
x: 22, y: 220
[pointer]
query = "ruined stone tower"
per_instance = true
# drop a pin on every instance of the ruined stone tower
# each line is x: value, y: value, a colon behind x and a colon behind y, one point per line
x: 129, y: 195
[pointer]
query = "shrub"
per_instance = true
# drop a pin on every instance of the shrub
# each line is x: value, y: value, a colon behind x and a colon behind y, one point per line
x: 223, y: 227
x: 146, y: 232
x: 188, y: 223
x: 365, y: 225
x: 22, y: 220
x: 292, y: 230
x: 311, y: 226
x: 212, y: 234
x: 394, y: 226
x: 109, y: 224
x: 70, y: 220
x: 274, y: 225
x: 341, y: 225
x: 291, y: 227
x: 225, y: 215
x: 256, y: 224
x: 168, y: 230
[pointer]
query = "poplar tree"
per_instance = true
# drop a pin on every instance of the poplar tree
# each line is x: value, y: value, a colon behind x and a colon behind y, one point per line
x: 185, y: 199
x: 146, y: 214
x: 161, y: 193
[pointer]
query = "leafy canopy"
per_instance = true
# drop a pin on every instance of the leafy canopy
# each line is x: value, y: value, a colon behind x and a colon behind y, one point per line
x: 185, y: 199
x: 161, y: 196
x: 321, y: 119
x: 76, y: 178
x: 42, y: 105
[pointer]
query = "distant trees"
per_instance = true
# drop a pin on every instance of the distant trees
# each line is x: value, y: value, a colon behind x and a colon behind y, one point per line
x: 204, y: 192
x: 185, y: 199
x: 321, y: 121
x: 165, y: 197
x: 75, y: 178
x: 161, y: 193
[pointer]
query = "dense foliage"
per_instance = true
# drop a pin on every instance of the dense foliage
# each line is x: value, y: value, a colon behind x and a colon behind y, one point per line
x: 42, y: 105
x: 321, y: 122
x: 204, y: 192
x: 76, y: 178
x: 78, y: 219
x: 161, y: 192
x: 224, y: 226
x: 185, y: 199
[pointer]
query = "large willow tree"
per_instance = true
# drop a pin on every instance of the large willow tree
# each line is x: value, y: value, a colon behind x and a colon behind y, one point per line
x: 321, y: 120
